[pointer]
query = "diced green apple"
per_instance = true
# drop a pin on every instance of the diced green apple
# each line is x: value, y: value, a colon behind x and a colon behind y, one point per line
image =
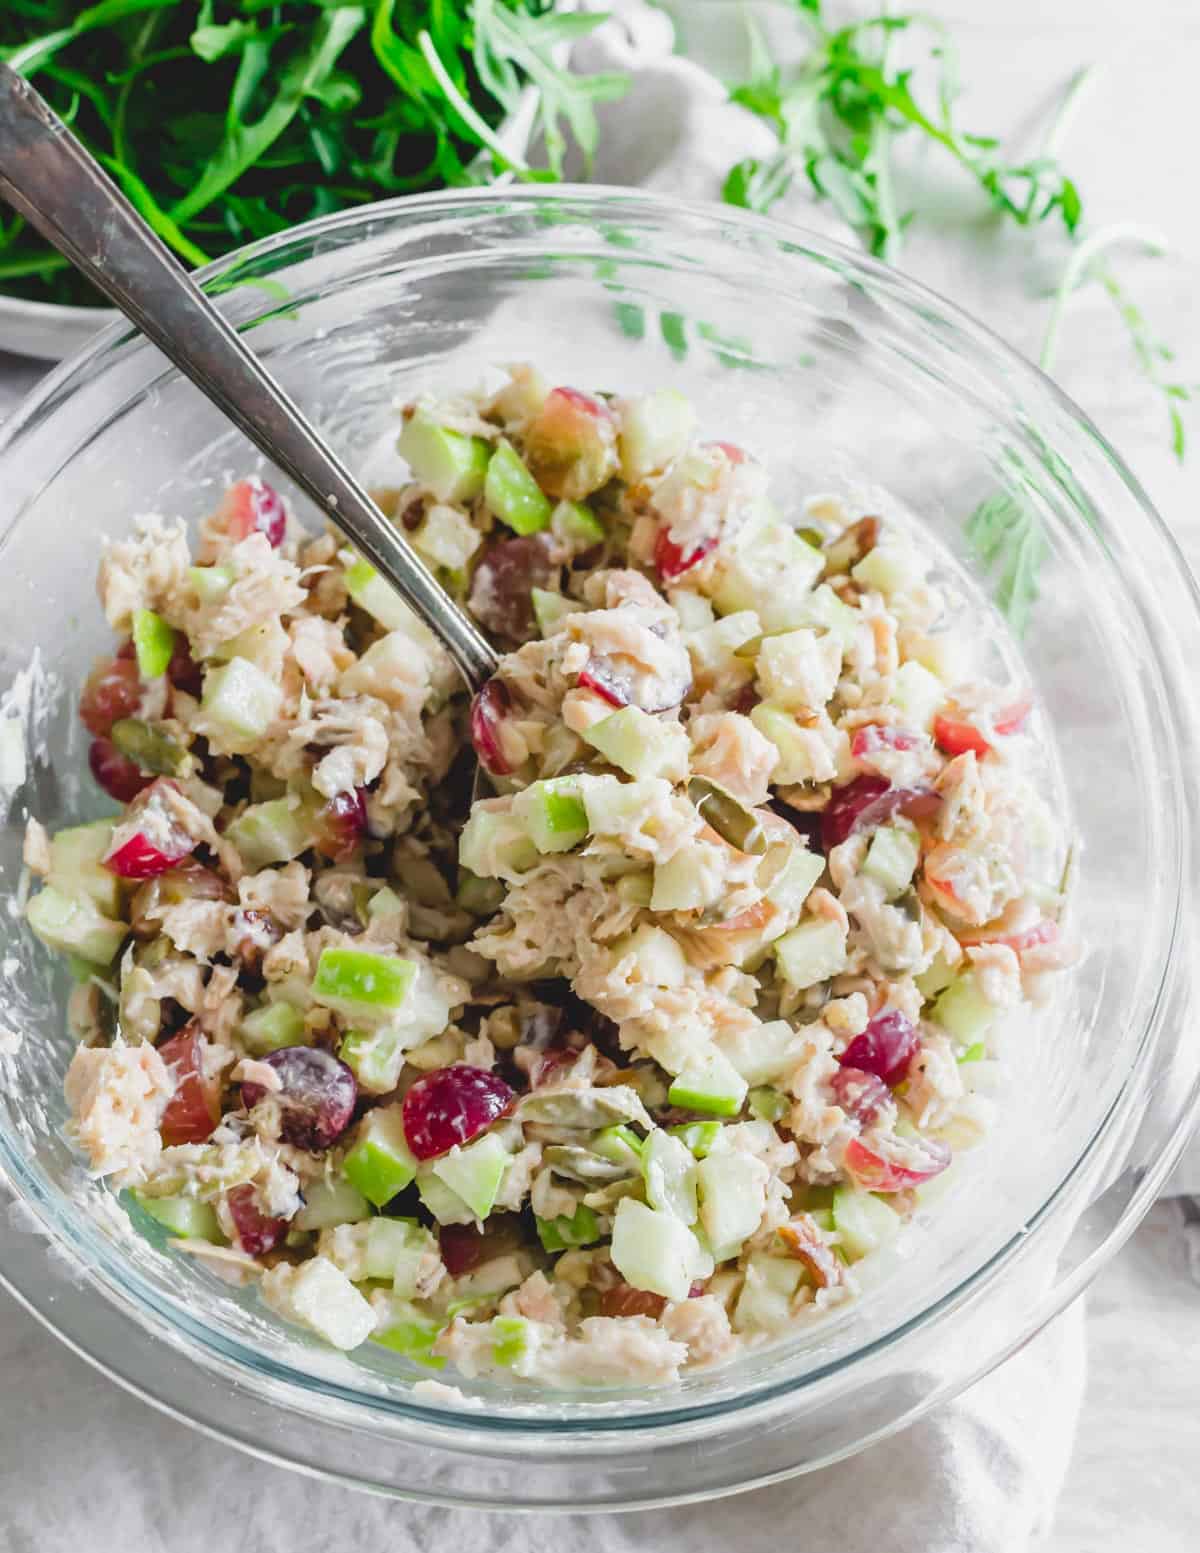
x: 660, y: 960
x: 211, y: 583
x: 474, y: 1173
x: 447, y: 538
x: 449, y: 464
x: 445, y: 1204
x: 963, y: 1010
x: 494, y: 844
x: 715, y: 1086
x: 768, y: 1104
x: 894, y: 566
x: 241, y: 701
x: 713, y: 645
x: 764, y: 1053
x: 153, y: 643
x: 76, y: 864
x: 380, y: 600
x: 793, y: 880
x: 669, y: 1171
x: 512, y: 494
x: 618, y: 1143
x: 393, y: 1246
x: 512, y: 1338
x: 186, y: 1217
x: 72, y: 924
x: 358, y: 981
x: 577, y: 526
x: 703, y: 1138
x: 655, y: 428
x: 550, y: 609
x: 379, y: 1162
x: 892, y: 859
x: 770, y: 569
x: 653, y: 1250
x: 375, y: 1057
x: 795, y: 752
x: 553, y: 814
x: 684, y: 882
x: 863, y: 1222
x: 408, y: 1331
x: 918, y: 694
x: 563, y: 1233
x: 825, y: 610
x: 770, y: 1284
x: 642, y: 745
x: 936, y: 979
x: 273, y: 832
x: 812, y: 952
x: 732, y: 1192
x: 270, y: 1027
x: 330, y: 1202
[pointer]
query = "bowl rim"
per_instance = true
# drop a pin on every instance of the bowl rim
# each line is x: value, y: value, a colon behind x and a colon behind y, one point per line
x: 597, y: 198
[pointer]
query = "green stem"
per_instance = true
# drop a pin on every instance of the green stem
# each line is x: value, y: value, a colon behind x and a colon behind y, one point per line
x: 463, y: 108
x: 1107, y: 237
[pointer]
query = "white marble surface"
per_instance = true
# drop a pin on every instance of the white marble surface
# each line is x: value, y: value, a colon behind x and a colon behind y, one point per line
x: 1133, y: 1481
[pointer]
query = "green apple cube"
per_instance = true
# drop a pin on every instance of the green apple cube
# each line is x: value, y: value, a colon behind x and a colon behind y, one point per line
x: 770, y: 1285
x: 375, y: 1057
x: 512, y: 494
x: 445, y: 1204
x: 187, y: 1218
x: 769, y: 569
x: 694, y: 611
x: 936, y: 979
x: 669, y: 1171
x: 379, y: 1162
x: 893, y: 566
x: 408, y: 1331
x: 273, y: 832
x: 653, y: 1250
x: 512, y: 1338
x: 619, y: 1144
x: 714, y: 1086
x: 655, y: 428
x: 918, y: 694
x: 702, y: 1138
x: 474, y: 1173
x: 550, y: 609
x: 354, y: 981
x: 211, y: 583
x: 892, y: 859
x: 732, y: 1191
x: 825, y: 610
x: 380, y: 600
x: 76, y: 865
x: 768, y: 1104
x: 72, y: 924
x: 329, y: 1202
x: 764, y: 1054
x: 812, y: 952
x: 975, y: 1053
x: 447, y: 463
x: 714, y: 645
x: 577, y: 526
x: 553, y: 814
x: 863, y: 1222
x: 153, y: 643
x: 794, y: 881
x: 495, y: 844
x: 660, y: 960
x: 797, y: 759
x: 640, y: 744
x: 448, y: 538
x: 390, y: 1244
x: 563, y: 1233
x: 684, y: 882
x: 963, y: 1010
x: 241, y: 701
x: 272, y: 1026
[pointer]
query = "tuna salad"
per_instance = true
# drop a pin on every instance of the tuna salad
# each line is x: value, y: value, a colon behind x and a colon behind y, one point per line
x: 593, y: 1028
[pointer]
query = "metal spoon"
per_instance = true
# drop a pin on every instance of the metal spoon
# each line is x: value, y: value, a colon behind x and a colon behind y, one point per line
x: 47, y: 176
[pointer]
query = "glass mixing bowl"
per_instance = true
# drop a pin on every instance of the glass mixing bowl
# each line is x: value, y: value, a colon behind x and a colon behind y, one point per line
x: 844, y: 377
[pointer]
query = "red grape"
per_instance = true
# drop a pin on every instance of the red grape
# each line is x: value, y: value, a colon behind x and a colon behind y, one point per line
x: 902, y: 1166
x: 490, y: 707
x: 501, y: 590
x: 116, y: 773
x: 869, y: 801
x: 861, y: 1095
x: 598, y: 676
x: 317, y: 1097
x: 452, y: 1105
x: 183, y: 671
x: 672, y: 560
x: 194, y: 1110
x: 884, y: 1048
x: 147, y: 841
x: 340, y: 824
x: 253, y: 507
x: 111, y: 691
x: 462, y: 1248
x: 876, y: 738
x: 255, y: 1232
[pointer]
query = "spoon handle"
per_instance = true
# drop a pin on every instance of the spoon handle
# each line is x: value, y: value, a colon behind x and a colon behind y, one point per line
x: 47, y: 175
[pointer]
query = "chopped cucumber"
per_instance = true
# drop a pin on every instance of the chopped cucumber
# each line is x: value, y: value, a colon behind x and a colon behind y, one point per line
x: 561, y: 1234
x: 702, y: 1138
x: 918, y: 694
x: 153, y: 643
x: 449, y: 464
x: 273, y: 832
x: 512, y: 494
x: 186, y: 1217
x: 553, y: 814
x: 653, y: 1250
x: 76, y: 864
x: 273, y: 1025
x: 655, y: 428
x: 577, y: 526
x: 963, y: 1010
x: 330, y: 1202
x: 550, y: 609
x: 474, y: 1173
x: 812, y: 952
x: 640, y: 744
x: 379, y: 1162
x: 669, y: 1171
x: 892, y: 859
x: 864, y: 1222
x: 375, y: 1057
x: 351, y: 981
x: 72, y: 924
x: 241, y: 701
x: 732, y: 1193
x: 408, y: 1331
x: 714, y: 1086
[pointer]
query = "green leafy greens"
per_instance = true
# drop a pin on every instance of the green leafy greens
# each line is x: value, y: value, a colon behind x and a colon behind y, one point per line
x: 229, y: 120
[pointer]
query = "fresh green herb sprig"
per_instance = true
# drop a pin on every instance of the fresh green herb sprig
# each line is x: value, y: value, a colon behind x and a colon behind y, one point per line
x: 230, y: 120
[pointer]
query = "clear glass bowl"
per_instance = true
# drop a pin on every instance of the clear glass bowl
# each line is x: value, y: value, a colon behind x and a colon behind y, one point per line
x: 843, y: 376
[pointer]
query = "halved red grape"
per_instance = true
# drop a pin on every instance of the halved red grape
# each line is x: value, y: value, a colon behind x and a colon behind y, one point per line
x: 116, y: 773
x: 551, y: 1066
x: 490, y: 707
x: 672, y: 560
x: 255, y: 1232
x: 501, y: 596
x: 317, y: 1097
x: 194, y: 1110
x: 462, y: 1248
x: 111, y: 691
x: 341, y: 823
x: 599, y: 676
x: 895, y: 1166
x: 187, y: 881
x: 451, y: 1106
x: 861, y: 1095
x: 877, y: 738
x: 885, y: 1047
x: 148, y: 841
x: 869, y: 801
x: 253, y: 507
x: 620, y: 686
